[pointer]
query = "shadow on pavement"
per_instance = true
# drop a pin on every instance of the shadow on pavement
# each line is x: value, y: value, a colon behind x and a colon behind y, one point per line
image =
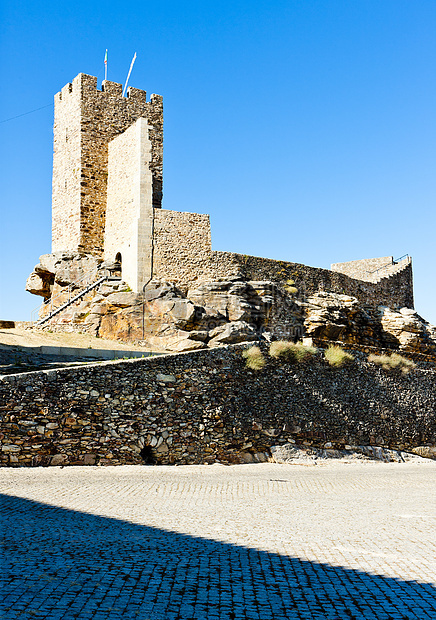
x: 61, y: 564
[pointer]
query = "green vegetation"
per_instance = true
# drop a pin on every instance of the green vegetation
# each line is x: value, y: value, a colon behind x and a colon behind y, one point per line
x: 337, y: 357
x: 392, y: 362
x: 254, y: 358
x: 291, y: 352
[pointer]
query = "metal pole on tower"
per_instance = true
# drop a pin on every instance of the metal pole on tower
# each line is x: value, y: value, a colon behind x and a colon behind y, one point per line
x: 128, y: 75
x: 105, y: 66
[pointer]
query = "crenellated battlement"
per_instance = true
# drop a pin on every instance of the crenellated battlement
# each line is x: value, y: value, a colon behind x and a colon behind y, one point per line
x: 85, y: 86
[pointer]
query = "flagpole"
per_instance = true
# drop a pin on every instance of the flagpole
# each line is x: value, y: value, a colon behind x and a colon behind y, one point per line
x: 105, y: 66
x: 128, y: 75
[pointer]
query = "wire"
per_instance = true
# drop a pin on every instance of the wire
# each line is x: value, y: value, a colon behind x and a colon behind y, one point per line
x: 26, y: 113
x: 37, y: 109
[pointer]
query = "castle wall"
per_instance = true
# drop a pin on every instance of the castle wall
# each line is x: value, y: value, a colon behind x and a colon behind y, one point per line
x: 129, y: 212
x: 206, y: 406
x: 182, y: 255
x: 66, y: 188
x: 182, y: 246
x: 395, y: 291
x: 371, y: 269
x: 86, y: 120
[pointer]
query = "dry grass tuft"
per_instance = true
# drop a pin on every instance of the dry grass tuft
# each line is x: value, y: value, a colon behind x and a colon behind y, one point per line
x: 337, y: 357
x: 254, y: 358
x: 291, y: 352
x: 392, y: 362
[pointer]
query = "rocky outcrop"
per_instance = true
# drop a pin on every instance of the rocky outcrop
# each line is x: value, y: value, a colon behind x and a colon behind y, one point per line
x: 334, y: 317
x: 340, y: 318
x: 211, y: 314
x: 409, y: 329
x: 293, y: 454
x: 56, y: 271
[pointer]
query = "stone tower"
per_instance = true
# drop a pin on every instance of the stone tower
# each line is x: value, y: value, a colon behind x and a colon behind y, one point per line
x: 86, y: 121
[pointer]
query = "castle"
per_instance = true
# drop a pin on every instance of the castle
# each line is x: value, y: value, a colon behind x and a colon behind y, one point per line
x: 107, y: 208
x: 107, y: 187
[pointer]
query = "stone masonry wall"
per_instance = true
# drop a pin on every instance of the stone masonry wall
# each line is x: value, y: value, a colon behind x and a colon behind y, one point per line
x: 371, y: 269
x: 66, y: 181
x: 129, y: 212
x: 182, y: 246
x: 86, y: 120
x: 395, y: 291
x: 205, y: 406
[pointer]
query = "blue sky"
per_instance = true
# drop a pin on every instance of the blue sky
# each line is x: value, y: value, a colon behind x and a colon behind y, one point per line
x: 305, y: 128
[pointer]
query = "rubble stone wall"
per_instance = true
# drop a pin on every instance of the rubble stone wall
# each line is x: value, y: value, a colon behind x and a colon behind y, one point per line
x: 395, y: 291
x: 371, y: 269
x: 182, y: 246
x: 86, y: 120
x: 206, y: 406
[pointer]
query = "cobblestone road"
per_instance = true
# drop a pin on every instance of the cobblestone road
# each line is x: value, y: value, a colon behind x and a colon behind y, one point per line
x: 254, y: 542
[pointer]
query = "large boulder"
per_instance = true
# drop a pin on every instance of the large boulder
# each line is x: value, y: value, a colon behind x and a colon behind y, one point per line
x: 73, y: 268
x: 265, y: 305
x: 336, y: 317
x: 410, y: 330
x: 48, y: 263
x: 37, y: 285
x: 231, y: 333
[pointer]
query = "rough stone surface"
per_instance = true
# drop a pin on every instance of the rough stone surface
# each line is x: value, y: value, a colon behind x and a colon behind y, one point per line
x: 294, y: 454
x: 239, y: 331
x: 220, y: 311
x: 37, y: 285
x: 86, y: 120
x: 372, y: 269
x: 182, y: 246
x: 215, y: 410
x: 408, y: 329
x: 333, y: 317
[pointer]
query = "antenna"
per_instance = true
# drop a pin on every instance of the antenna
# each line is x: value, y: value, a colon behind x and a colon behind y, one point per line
x: 128, y: 75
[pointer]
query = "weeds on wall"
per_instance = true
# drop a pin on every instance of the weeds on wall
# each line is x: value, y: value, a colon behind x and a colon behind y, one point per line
x: 291, y: 352
x: 337, y: 357
x: 254, y: 358
x: 392, y: 362
x: 290, y: 288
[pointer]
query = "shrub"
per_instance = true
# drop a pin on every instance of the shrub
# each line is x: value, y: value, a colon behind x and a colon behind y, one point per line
x: 290, y: 351
x: 337, y: 357
x: 392, y: 362
x: 254, y: 358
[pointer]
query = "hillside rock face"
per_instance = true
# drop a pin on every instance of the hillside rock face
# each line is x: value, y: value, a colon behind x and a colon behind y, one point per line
x: 210, y: 314
x: 330, y: 316
x: 215, y: 313
x: 409, y: 329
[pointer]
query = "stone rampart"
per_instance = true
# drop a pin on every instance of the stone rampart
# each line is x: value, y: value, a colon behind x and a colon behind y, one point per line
x: 372, y: 269
x: 206, y: 406
x: 182, y: 255
x: 395, y: 291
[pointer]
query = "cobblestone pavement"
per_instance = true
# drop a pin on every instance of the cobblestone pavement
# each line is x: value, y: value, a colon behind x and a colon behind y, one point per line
x: 260, y: 542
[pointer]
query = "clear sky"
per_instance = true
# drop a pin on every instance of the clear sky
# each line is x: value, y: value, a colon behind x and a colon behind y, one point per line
x: 305, y: 128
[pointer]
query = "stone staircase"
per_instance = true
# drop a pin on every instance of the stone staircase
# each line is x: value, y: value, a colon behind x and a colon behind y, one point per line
x: 74, y: 292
